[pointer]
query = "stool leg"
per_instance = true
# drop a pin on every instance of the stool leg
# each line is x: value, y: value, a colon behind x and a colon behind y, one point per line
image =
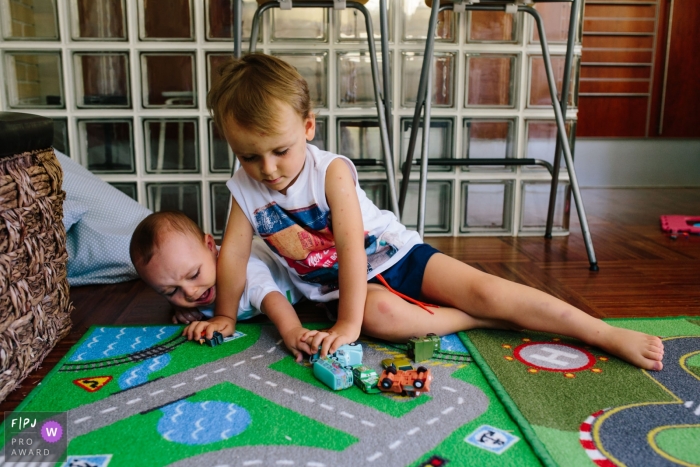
x: 237, y: 27
x: 386, y: 146
x: 422, y: 191
x: 563, y: 139
x: 423, y: 94
x: 384, y: 33
x: 571, y: 39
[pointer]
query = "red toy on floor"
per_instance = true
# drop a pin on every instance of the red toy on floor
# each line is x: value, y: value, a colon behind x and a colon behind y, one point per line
x: 680, y: 224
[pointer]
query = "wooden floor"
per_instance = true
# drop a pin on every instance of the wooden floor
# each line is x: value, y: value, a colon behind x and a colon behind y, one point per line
x: 643, y: 272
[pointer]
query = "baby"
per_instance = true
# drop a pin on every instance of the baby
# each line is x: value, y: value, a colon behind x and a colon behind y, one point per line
x: 173, y: 256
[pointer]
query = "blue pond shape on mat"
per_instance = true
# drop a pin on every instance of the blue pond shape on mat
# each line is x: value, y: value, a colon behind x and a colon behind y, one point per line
x: 108, y: 342
x: 452, y: 343
x: 202, y: 422
x: 139, y: 374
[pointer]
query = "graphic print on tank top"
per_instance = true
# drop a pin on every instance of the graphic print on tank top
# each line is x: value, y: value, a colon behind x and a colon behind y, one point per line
x: 303, y: 238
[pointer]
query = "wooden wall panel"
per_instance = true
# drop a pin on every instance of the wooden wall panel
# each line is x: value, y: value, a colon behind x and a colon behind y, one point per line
x: 621, y: 116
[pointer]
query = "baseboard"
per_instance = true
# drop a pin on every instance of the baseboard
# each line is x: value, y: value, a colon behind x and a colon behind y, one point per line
x: 613, y: 162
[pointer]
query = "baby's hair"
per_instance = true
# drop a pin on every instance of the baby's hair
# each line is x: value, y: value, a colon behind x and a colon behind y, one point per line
x: 148, y: 233
x: 249, y: 88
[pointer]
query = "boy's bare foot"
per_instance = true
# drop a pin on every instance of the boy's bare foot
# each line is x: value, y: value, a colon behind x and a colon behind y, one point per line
x: 634, y: 347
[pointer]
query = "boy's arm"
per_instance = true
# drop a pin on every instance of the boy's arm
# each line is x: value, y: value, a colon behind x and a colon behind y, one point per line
x: 349, y: 235
x: 230, y: 276
x: 285, y: 318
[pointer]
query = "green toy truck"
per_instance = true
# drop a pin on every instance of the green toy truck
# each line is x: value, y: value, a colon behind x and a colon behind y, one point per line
x: 422, y: 348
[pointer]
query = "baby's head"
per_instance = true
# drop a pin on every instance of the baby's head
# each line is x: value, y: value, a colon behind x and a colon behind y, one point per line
x: 261, y: 105
x: 172, y: 254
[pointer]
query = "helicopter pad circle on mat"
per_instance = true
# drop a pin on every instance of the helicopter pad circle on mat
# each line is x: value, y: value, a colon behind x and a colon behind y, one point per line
x: 550, y: 356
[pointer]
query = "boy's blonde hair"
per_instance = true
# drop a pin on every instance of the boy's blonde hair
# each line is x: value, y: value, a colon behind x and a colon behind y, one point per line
x: 249, y: 88
x: 149, y: 232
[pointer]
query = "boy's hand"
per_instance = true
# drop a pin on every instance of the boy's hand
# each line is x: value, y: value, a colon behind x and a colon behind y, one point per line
x: 292, y: 339
x: 339, y: 334
x: 225, y: 325
x: 187, y: 315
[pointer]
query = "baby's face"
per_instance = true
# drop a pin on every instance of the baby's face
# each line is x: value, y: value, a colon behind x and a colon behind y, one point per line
x: 183, y: 270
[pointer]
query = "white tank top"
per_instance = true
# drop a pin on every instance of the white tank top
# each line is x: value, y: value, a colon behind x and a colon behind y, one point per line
x: 297, y: 227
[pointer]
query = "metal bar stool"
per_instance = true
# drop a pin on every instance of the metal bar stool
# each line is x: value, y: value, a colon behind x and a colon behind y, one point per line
x: 423, y: 103
x: 383, y: 111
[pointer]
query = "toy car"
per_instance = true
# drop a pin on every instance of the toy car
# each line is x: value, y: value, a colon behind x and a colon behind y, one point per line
x: 331, y: 373
x: 216, y: 339
x: 422, y: 348
x: 365, y: 378
x: 401, y: 363
x: 409, y: 382
x: 346, y: 355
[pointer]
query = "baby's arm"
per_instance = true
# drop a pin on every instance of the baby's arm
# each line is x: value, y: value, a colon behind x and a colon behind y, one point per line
x: 348, y: 231
x: 230, y: 282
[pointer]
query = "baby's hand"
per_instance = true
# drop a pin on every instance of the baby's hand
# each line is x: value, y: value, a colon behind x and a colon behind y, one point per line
x: 187, y: 315
x: 293, y: 340
x: 198, y: 329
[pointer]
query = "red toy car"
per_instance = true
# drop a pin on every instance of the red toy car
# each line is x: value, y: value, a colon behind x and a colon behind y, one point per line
x: 409, y: 382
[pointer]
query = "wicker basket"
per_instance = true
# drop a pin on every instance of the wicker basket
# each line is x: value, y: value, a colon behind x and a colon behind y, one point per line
x: 34, y: 294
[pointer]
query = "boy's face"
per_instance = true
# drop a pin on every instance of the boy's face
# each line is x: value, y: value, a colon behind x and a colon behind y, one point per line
x: 274, y: 160
x: 183, y: 269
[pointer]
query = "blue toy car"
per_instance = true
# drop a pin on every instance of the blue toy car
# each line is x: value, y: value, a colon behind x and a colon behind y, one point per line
x: 331, y: 373
x: 346, y: 355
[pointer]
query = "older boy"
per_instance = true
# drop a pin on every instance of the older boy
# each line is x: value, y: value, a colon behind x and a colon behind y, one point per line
x: 173, y: 256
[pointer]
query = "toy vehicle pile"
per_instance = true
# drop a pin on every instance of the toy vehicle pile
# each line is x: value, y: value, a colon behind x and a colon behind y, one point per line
x: 342, y: 369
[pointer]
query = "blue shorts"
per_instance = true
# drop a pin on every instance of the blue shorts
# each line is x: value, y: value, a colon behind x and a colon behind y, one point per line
x: 406, y: 276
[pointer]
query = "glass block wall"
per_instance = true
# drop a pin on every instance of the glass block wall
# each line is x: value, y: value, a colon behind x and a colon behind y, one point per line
x: 125, y: 82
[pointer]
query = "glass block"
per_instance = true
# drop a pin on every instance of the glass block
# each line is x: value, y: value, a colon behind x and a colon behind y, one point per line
x: 171, y: 146
x: 539, y: 88
x: 171, y: 20
x: 377, y: 192
x: 129, y: 189
x: 29, y: 19
x: 221, y: 156
x: 220, y: 200
x: 490, y: 80
x: 438, y: 207
x: 415, y: 20
x: 359, y: 139
x: 170, y: 80
x: 313, y: 67
x: 321, y: 136
x: 443, y: 78
x: 60, y: 135
x: 355, y: 86
x: 99, y: 20
x: 535, y: 202
x: 102, y: 80
x: 488, y: 139
x: 34, y: 80
x: 542, y: 140
x: 220, y: 19
x: 439, y: 144
x: 214, y: 62
x: 555, y: 18
x: 350, y: 23
x: 299, y: 24
x: 486, y: 207
x: 107, y: 145
x: 185, y: 197
x: 493, y: 26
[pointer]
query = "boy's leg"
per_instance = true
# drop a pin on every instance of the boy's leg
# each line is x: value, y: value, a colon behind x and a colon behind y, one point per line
x: 483, y: 296
x: 391, y: 318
